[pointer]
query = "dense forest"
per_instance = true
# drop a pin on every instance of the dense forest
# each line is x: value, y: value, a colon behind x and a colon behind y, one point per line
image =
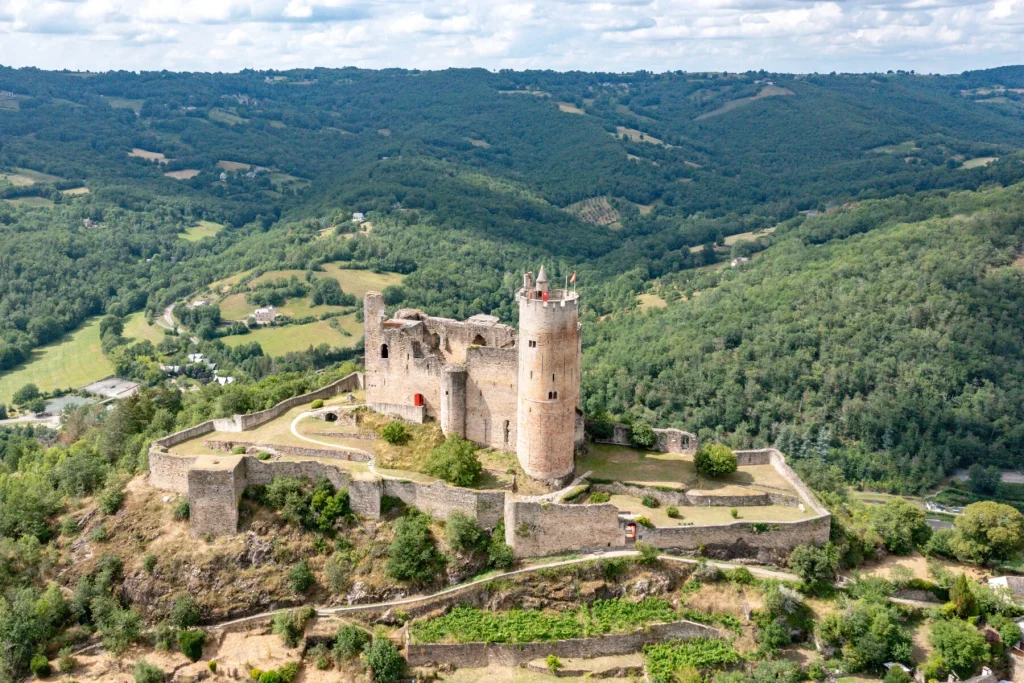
x: 878, y: 323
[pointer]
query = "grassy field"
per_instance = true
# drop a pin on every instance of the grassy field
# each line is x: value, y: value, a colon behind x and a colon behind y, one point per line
x: 225, y: 116
x: 149, y: 156
x: 569, y: 108
x: 767, y: 91
x: 10, y: 105
x: 980, y: 161
x: 235, y: 307
x: 649, y: 301
x: 184, y: 174
x: 902, y: 149
x: 75, y: 191
x: 74, y: 361
x: 622, y: 463
x: 357, y: 282
x: 636, y: 136
x: 277, y: 341
x: 232, y: 166
x: 22, y: 177
x: 124, y: 103
x: 203, y: 230
x: 283, y: 181
x: 137, y: 328
x: 31, y: 202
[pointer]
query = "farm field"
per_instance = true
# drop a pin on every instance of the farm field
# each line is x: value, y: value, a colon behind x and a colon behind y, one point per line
x: 767, y: 91
x: 149, y: 156
x: 202, y: 230
x: 184, y: 174
x: 233, y: 166
x: 23, y: 177
x: 622, y: 463
x: 75, y: 191
x: 74, y: 361
x: 635, y: 135
x: 235, y: 307
x: 284, y: 181
x: 979, y: 162
x: 225, y: 116
x: 352, y: 281
x: 648, y: 301
x: 277, y: 341
x: 31, y: 202
x: 124, y: 103
x: 137, y: 328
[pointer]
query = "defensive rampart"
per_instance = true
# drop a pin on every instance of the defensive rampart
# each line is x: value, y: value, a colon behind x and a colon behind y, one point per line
x: 439, y: 500
x: 670, y: 439
x: 479, y: 655
x: 533, y: 529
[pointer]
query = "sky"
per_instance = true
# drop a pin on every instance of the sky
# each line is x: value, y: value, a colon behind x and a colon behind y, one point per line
x: 929, y: 36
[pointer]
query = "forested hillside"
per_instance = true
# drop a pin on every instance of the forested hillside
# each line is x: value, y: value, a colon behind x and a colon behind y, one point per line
x: 888, y: 338
x: 124, y: 192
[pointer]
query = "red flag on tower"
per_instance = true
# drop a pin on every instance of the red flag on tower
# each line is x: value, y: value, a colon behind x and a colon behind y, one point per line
x: 573, y: 278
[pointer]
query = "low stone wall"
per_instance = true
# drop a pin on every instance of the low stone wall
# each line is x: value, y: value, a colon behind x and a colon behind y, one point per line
x: 413, y: 414
x: 339, y: 453
x: 692, y: 499
x: 536, y: 529
x: 479, y: 655
x: 186, y: 434
x: 350, y: 382
x: 761, y: 456
x: 439, y: 500
x: 670, y: 439
x: 360, y: 436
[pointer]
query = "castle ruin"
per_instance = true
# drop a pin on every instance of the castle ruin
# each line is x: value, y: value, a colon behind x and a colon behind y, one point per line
x: 482, y: 381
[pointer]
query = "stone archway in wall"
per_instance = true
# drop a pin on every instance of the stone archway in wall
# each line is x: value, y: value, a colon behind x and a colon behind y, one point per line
x: 479, y: 340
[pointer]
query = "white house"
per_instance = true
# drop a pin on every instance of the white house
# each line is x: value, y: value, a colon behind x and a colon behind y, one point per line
x: 265, y: 316
x: 358, y: 217
x: 737, y: 261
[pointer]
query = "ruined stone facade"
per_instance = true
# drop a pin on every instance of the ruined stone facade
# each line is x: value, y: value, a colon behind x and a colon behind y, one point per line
x: 480, y: 380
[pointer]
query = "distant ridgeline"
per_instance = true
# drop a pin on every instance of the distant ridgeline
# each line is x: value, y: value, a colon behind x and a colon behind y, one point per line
x: 639, y: 182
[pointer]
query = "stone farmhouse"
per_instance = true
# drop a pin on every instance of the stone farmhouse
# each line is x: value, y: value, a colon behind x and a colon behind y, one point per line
x: 482, y: 381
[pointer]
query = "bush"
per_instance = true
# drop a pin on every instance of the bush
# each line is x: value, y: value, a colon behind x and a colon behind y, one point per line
x: 958, y: 645
x: 648, y: 553
x: 384, y: 661
x: 317, y: 404
x: 896, y: 674
x: 111, y: 498
x: 26, y: 394
x: 181, y: 510
x: 643, y: 521
x: 553, y: 663
x: 350, y: 642
x: 212, y: 666
x: 290, y: 625
x: 144, y: 672
x: 463, y: 533
x: 40, y: 666
x: 734, y: 513
x: 714, y: 460
x: 395, y: 432
x: 191, y: 643
x: 642, y: 435
x: 149, y: 563
x: 650, y: 501
x: 263, y: 455
x: 66, y: 662
x: 900, y: 524
x: 598, y: 497
x: 69, y: 526
x: 301, y: 577
x: 184, y: 611
x: 672, y: 511
x: 455, y: 461
x: 816, y: 567
x: 412, y: 555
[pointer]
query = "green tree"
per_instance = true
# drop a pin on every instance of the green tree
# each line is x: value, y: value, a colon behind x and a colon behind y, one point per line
x: 714, y: 460
x: 896, y: 674
x: 412, y: 555
x: 962, y: 597
x: 350, y: 642
x: 455, y: 461
x: 191, y: 643
x: 900, y: 524
x: 26, y: 394
x: 983, y: 480
x: 987, y: 532
x: 815, y: 566
x: 300, y: 577
x: 642, y: 435
x: 184, y: 611
x: 384, y: 660
x: 463, y: 533
x: 395, y: 432
x: 959, y: 646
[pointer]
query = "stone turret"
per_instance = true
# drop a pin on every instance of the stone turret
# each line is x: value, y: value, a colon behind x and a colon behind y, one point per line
x: 549, y: 379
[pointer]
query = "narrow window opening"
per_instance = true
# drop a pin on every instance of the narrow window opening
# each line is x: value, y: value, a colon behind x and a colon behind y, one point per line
x: 478, y: 340
x: 383, y: 350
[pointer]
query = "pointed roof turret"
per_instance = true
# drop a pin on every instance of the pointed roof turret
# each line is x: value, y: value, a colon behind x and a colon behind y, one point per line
x: 542, y: 276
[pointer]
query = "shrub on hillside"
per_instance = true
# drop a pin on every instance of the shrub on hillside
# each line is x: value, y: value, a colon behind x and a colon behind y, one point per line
x: 290, y: 624
x: 395, y: 432
x: 412, y: 555
x: 191, y: 643
x: 384, y: 660
x: 184, y: 611
x: 350, y: 642
x: 181, y: 510
x: 144, y: 672
x: 301, y: 578
x: 40, y: 666
x: 499, y: 553
x: 598, y: 497
x: 463, y: 533
x: 815, y: 566
x: 714, y: 460
x: 455, y: 461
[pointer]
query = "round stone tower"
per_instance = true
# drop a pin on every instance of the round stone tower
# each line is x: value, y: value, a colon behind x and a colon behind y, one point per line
x: 549, y: 378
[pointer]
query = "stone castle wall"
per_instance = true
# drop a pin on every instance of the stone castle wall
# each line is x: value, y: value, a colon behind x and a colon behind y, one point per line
x: 479, y: 655
x: 409, y: 413
x: 670, y: 439
x: 769, y: 542
x: 692, y: 499
x: 169, y: 472
x: 490, y: 398
x: 439, y: 500
x: 536, y: 529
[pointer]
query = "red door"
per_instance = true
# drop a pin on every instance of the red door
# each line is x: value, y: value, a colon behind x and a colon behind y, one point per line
x: 417, y: 400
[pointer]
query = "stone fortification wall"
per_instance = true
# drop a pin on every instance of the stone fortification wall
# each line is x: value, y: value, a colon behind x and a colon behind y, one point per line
x: 351, y: 382
x: 439, y: 500
x: 778, y: 461
x: 253, y: 448
x: 769, y: 542
x: 262, y: 472
x: 491, y: 397
x: 479, y: 655
x: 364, y: 496
x: 409, y: 413
x: 670, y: 439
x: 536, y: 529
x: 691, y: 498
x: 761, y: 456
x: 169, y: 472
x: 186, y: 434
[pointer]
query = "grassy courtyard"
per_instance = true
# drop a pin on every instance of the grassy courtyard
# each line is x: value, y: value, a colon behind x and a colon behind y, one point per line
x: 702, y: 515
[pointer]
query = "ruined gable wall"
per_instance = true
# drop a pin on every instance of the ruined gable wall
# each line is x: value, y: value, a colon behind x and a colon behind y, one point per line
x: 537, y: 529
x: 491, y: 397
x: 399, y: 377
x: 454, y: 337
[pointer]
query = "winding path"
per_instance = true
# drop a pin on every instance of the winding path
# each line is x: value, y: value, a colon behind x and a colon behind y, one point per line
x: 351, y: 609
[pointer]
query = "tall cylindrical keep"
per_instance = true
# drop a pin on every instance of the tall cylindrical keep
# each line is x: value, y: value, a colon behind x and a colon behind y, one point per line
x: 549, y: 380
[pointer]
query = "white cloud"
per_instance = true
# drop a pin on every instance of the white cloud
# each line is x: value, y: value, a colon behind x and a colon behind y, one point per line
x: 615, y: 35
